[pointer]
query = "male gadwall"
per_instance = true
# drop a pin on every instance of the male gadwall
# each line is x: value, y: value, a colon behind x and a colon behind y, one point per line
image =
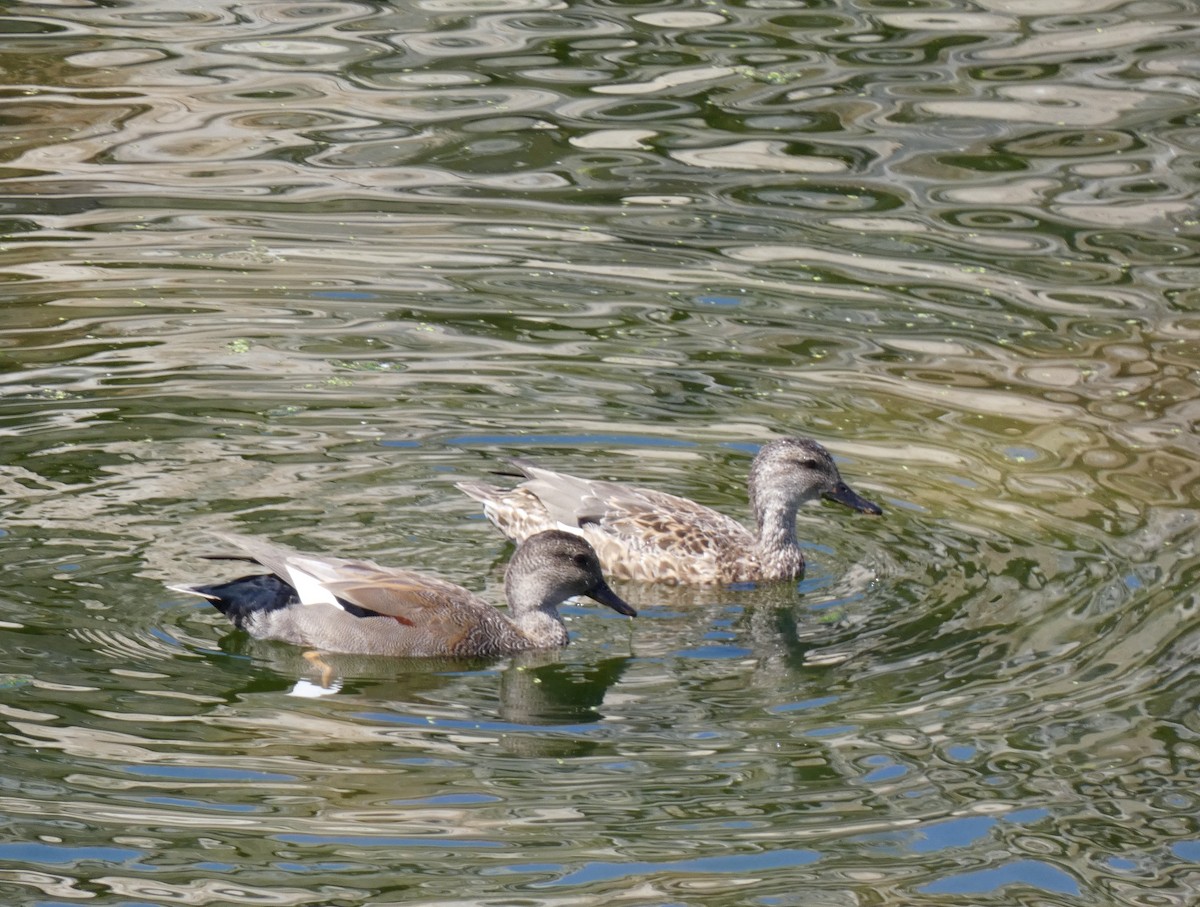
x: 651, y: 536
x: 337, y: 605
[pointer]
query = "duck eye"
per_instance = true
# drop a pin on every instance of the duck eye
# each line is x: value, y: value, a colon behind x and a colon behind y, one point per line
x: 810, y: 464
x: 581, y: 560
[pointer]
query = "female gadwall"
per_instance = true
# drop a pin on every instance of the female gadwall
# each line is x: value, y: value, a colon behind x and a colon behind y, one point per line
x: 651, y: 536
x: 337, y: 605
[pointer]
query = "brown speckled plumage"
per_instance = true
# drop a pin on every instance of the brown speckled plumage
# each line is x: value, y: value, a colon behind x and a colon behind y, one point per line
x: 652, y: 536
x: 339, y: 605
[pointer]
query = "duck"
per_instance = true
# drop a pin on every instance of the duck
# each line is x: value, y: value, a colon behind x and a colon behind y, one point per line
x: 650, y: 536
x: 358, y: 607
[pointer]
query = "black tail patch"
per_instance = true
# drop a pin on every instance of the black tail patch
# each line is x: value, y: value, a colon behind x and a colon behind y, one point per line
x: 241, y: 598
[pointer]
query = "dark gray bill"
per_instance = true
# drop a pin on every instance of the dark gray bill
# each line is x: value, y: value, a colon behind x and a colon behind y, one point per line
x: 606, y: 596
x: 843, y: 494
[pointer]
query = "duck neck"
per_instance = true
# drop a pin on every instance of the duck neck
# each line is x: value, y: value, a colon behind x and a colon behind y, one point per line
x: 777, y: 549
x: 534, y: 609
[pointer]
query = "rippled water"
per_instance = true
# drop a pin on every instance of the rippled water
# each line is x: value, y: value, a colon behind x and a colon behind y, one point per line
x: 295, y: 268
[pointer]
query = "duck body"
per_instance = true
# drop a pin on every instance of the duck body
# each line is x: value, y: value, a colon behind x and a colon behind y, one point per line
x: 652, y: 536
x: 356, y: 606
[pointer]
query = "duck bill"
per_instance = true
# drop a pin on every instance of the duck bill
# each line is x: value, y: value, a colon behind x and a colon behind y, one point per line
x: 606, y: 596
x: 845, y: 495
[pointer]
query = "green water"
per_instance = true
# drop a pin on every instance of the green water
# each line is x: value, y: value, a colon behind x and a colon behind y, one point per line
x: 295, y: 269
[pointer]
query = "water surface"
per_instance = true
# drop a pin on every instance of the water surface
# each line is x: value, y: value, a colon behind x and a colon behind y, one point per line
x: 294, y: 269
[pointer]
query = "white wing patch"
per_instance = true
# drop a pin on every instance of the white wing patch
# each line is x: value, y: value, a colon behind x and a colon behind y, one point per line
x: 310, y: 589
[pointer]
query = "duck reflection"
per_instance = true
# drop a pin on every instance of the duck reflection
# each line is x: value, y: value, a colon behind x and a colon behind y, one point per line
x: 536, y: 688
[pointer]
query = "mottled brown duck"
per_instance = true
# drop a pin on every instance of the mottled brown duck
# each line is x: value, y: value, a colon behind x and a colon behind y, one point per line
x: 652, y: 536
x: 336, y: 605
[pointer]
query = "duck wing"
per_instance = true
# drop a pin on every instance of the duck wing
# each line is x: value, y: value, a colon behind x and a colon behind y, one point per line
x: 639, y: 517
x: 403, y: 594
x: 411, y: 598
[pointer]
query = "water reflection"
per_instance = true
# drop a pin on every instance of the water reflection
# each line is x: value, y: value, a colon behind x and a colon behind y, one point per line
x: 299, y: 267
x: 534, y: 688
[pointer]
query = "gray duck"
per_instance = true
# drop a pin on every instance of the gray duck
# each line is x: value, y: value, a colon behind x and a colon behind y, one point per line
x: 651, y: 536
x: 337, y: 605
